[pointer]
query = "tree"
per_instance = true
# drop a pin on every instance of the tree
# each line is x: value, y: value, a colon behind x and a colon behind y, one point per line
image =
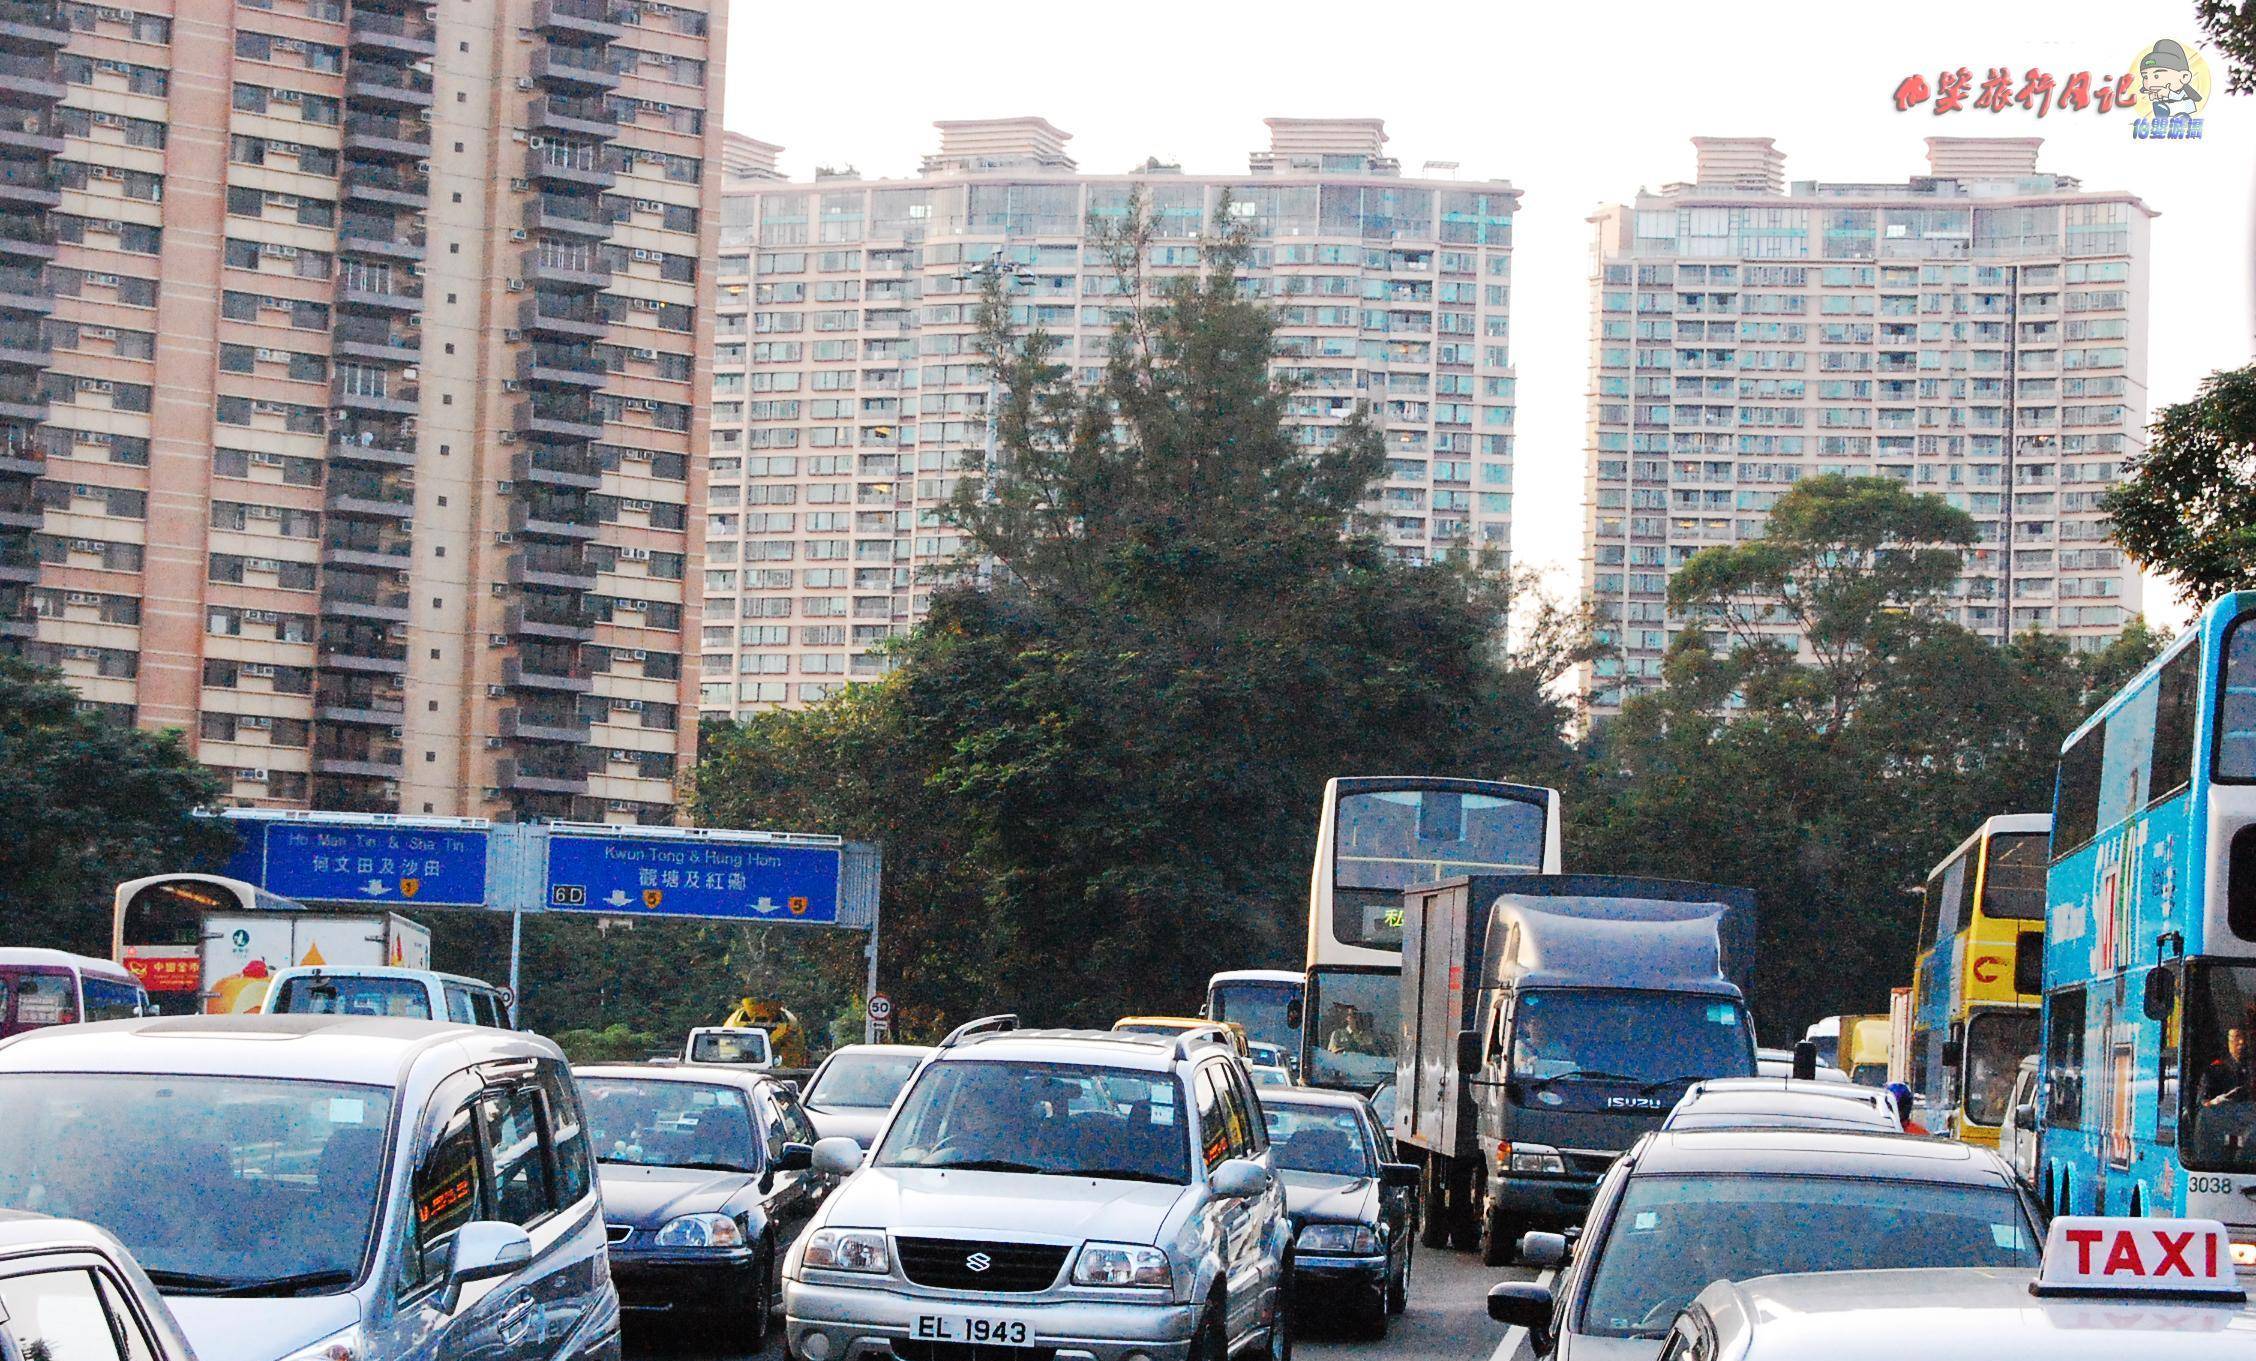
x: 91, y: 803
x: 2188, y: 507
x: 1099, y: 767
x: 2232, y: 27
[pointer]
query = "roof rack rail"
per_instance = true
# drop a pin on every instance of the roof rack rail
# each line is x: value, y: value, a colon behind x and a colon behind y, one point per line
x: 985, y: 1025
x: 1205, y: 1034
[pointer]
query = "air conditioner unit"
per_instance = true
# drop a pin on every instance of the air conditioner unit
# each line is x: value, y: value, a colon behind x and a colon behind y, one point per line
x: 497, y: 640
x: 496, y: 691
x: 254, y: 776
x: 512, y: 334
x: 511, y: 385
x: 505, y: 486
x: 519, y: 184
x: 639, y: 655
x: 516, y: 285
x: 517, y: 135
x: 423, y: 167
x: 651, y: 355
x: 536, y: 142
x: 493, y: 744
x: 516, y: 233
x: 397, y: 734
x: 508, y: 437
x: 505, y: 537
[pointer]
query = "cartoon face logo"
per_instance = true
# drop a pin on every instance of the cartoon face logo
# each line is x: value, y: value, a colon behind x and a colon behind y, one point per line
x: 2172, y: 80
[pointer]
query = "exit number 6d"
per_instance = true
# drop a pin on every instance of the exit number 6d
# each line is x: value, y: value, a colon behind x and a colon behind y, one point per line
x: 567, y: 895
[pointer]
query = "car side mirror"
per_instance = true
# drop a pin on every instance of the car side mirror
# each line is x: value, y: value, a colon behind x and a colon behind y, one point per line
x: 1524, y: 1304
x: 1543, y: 1250
x: 2161, y: 996
x: 1406, y: 1175
x: 1239, y: 1179
x: 1953, y: 1052
x: 1293, y: 1014
x: 836, y: 1156
x: 1468, y: 1051
x: 2025, y: 1115
x: 484, y: 1249
x: 789, y: 1158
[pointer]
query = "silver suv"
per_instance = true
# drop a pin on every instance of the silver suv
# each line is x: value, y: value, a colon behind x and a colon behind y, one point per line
x: 1088, y: 1195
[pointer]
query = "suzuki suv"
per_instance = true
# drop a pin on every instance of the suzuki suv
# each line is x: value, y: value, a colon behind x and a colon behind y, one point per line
x: 1036, y: 1193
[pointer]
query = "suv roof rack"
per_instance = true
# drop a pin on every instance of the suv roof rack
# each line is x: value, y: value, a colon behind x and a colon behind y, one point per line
x: 1205, y: 1034
x: 985, y: 1025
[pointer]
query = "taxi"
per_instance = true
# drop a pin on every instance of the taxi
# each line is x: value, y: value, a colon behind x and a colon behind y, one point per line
x: 2163, y: 1289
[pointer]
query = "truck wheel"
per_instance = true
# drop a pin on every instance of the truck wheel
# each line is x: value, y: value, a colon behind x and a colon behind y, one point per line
x: 1499, y: 1236
x: 1433, y: 1205
x: 1468, y: 1191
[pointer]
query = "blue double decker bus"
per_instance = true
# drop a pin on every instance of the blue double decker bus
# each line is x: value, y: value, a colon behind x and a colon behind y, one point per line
x: 2147, y: 1092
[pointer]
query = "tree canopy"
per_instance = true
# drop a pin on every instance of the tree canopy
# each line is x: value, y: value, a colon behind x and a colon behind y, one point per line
x: 2188, y: 507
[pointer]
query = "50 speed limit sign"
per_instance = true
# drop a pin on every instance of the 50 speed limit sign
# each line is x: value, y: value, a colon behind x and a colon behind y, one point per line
x: 880, y: 1007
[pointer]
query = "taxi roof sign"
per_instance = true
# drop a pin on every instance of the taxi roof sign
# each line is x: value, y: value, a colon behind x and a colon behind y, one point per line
x: 2187, y: 1259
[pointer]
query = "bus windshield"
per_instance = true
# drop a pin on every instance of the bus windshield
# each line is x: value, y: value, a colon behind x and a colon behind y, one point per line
x: 2013, y: 885
x: 1996, y: 1042
x: 1270, y: 1012
x: 1620, y: 1034
x: 1386, y: 840
x: 2218, y: 1128
x: 1353, y: 1022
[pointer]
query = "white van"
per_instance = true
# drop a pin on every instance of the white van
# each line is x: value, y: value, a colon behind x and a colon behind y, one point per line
x: 380, y: 990
x: 54, y: 987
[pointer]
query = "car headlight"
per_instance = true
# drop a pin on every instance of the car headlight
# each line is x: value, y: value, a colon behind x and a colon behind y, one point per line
x: 847, y: 1250
x: 345, y: 1346
x: 1122, y: 1264
x: 701, y: 1231
x: 1537, y: 1158
x: 1348, y: 1238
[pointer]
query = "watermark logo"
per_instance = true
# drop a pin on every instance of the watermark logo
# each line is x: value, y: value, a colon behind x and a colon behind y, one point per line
x: 2173, y: 85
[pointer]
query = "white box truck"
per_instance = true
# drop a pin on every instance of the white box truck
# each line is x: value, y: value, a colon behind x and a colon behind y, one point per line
x: 242, y: 951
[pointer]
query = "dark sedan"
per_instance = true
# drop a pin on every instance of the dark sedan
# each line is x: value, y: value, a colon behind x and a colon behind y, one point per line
x: 1353, y: 1212
x: 853, y: 1092
x: 705, y: 1184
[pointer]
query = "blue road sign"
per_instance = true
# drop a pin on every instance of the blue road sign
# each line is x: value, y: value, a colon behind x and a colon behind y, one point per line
x: 693, y: 877
x: 381, y: 865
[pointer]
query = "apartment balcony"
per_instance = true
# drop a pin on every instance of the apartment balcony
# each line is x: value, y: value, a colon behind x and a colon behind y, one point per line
x: 386, y: 185
x: 29, y: 78
x: 374, y: 85
x: 557, y: 367
x: 525, y: 778
x: 572, y: 466
x: 563, y: 518
x: 372, y: 341
x: 26, y: 240
x: 543, y: 314
x: 362, y: 647
x: 596, y: 19
x: 554, y: 567
x: 571, y: 174
x: 359, y: 495
x: 20, y: 457
x: 23, y: 345
x: 581, y: 271
x: 30, y: 132
x: 577, y: 70
x: 386, y: 139
x: 28, y: 184
x: 544, y: 725
x: 349, y: 546
x: 358, y: 711
x: 20, y: 508
x: 21, y: 399
x: 565, y: 215
x: 399, y: 300
x: 388, y: 449
x: 555, y: 674
x: 395, y: 399
x: 343, y: 593
x: 588, y: 116
x: 563, y: 617
x: 379, y: 237
x: 560, y: 417
x: 31, y: 28
x: 392, y: 38
x: 374, y: 763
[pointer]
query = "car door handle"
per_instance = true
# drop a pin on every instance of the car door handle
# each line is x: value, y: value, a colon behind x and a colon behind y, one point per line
x: 515, y: 1320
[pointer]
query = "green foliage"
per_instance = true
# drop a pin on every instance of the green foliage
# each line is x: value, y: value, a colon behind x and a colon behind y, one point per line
x: 2232, y: 27
x: 2188, y: 508
x: 90, y: 803
x: 615, y: 1043
x: 1095, y: 775
x: 1832, y: 788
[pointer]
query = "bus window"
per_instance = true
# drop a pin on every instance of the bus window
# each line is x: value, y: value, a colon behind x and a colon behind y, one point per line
x: 2240, y: 883
x: 2218, y: 1129
x: 1996, y: 1042
x: 2235, y: 759
x: 40, y: 998
x: 458, y: 1004
x: 108, y: 999
x: 2064, y: 1060
x: 2013, y: 884
x: 2075, y: 814
x: 2175, y: 706
x: 1386, y: 840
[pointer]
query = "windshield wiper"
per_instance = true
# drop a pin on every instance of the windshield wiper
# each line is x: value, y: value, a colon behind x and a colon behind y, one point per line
x: 1595, y: 1074
x: 984, y: 1165
x: 189, y: 1282
x: 1123, y: 1174
x: 288, y: 1285
x: 707, y: 1167
x: 1657, y: 1083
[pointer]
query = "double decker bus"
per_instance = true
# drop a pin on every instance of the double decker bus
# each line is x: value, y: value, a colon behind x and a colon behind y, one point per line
x: 2147, y: 1080
x: 1379, y: 834
x: 1980, y: 968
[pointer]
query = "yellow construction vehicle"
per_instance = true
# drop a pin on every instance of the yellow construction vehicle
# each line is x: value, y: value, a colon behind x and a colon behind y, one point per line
x: 785, y: 1035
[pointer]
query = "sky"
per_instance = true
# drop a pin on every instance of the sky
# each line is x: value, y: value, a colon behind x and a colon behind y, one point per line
x: 1577, y: 105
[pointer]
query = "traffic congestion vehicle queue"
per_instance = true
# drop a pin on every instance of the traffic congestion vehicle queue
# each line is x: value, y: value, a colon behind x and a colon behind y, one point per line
x: 1108, y: 1194
x: 304, y: 1187
x: 706, y: 1179
x: 54, y: 987
x: 854, y: 1088
x: 1354, y: 1210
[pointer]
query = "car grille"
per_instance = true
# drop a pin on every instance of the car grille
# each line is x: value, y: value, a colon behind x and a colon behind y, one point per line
x: 618, y: 1233
x: 946, y: 1264
x: 1589, y: 1162
x: 910, y: 1350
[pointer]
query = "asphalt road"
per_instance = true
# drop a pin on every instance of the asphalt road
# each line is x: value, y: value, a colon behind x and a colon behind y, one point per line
x: 1447, y: 1321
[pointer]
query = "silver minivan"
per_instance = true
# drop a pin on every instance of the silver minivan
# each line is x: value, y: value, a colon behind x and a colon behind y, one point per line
x: 312, y: 1188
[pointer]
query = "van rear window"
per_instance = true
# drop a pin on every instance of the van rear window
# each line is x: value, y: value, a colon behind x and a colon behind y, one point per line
x: 330, y: 995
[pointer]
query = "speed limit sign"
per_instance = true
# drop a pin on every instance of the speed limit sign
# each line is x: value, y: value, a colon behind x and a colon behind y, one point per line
x: 880, y: 1008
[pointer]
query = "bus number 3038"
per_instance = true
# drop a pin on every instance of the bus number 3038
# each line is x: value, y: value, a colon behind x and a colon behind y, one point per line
x: 2209, y: 1186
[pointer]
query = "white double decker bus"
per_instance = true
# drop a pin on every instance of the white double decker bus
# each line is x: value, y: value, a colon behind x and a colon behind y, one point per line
x: 1379, y: 835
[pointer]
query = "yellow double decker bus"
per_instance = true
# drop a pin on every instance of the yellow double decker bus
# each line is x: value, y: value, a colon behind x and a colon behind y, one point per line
x: 1978, y: 976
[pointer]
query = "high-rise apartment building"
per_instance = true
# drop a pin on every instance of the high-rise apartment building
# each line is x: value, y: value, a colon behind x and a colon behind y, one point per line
x: 1978, y: 333
x: 849, y: 398
x: 349, y: 360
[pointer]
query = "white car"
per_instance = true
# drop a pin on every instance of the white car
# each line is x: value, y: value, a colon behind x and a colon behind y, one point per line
x: 385, y: 990
x: 1784, y: 1103
x: 68, y: 1290
x: 1780, y: 1063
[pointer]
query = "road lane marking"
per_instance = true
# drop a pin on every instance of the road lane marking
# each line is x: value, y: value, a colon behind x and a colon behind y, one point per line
x: 1516, y: 1334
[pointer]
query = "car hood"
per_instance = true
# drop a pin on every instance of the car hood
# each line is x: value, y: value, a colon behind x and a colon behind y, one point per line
x: 646, y: 1197
x: 1316, y: 1196
x: 859, y: 1123
x: 1584, y: 1347
x: 915, y: 1200
x: 259, y: 1329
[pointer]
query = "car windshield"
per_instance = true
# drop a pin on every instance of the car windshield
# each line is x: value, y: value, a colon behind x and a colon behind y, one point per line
x: 332, y: 995
x: 1354, y: 1019
x: 35, y: 997
x: 670, y: 1124
x: 2219, y: 1122
x: 217, y: 1184
x: 750, y: 1047
x: 862, y: 1081
x: 1323, y: 1139
x: 1270, y: 1012
x: 1671, y: 1236
x: 1564, y: 1033
x: 1996, y: 1042
x: 1057, y: 1119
